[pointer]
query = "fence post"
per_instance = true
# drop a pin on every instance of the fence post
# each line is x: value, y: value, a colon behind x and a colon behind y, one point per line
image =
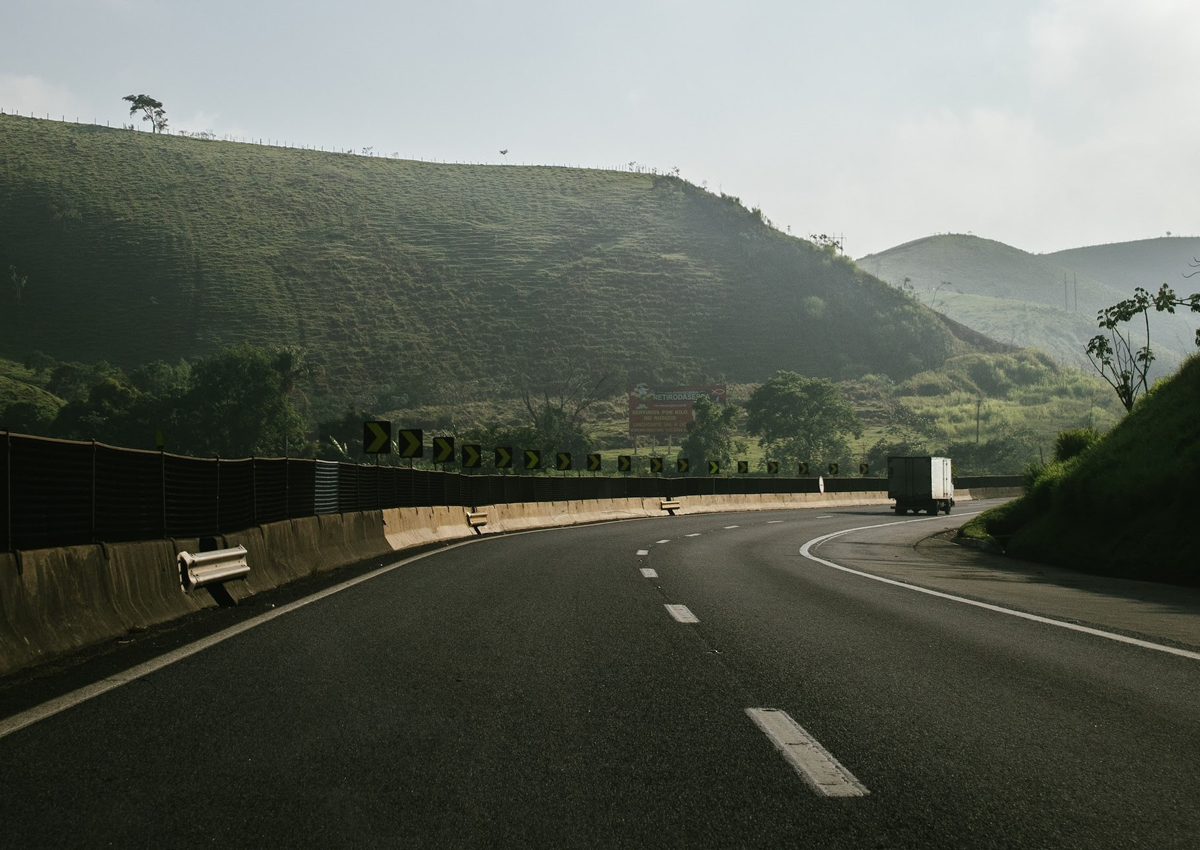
x: 287, y: 487
x: 93, y: 490
x: 218, y: 457
x: 8, y: 538
x: 162, y: 482
x: 254, y: 488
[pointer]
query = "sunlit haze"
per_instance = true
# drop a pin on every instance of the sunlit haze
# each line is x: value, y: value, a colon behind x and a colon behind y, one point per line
x: 1045, y: 125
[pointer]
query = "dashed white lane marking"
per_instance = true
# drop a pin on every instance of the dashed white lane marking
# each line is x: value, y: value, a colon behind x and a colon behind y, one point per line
x: 662, y: 541
x: 806, y: 551
x: 682, y: 614
x: 642, y: 552
x: 773, y: 521
x: 731, y: 526
x: 697, y: 534
x: 815, y: 764
x: 649, y: 573
x: 826, y: 516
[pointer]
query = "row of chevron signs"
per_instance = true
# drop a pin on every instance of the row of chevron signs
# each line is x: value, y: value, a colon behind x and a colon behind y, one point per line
x: 410, y: 443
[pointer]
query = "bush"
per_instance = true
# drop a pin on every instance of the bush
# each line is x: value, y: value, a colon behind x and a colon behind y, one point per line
x: 1074, y: 441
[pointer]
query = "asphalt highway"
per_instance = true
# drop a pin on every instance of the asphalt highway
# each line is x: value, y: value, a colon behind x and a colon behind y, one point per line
x: 598, y: 687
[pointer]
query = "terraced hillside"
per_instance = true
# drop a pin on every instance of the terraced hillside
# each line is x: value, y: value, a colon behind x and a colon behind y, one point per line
x: 396, y: 275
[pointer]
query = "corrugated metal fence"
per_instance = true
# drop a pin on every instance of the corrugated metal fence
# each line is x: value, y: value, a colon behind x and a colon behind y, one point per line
x: 62, y: 493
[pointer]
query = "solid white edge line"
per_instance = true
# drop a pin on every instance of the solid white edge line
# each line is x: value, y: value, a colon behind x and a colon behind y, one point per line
x: 681, y: 613
x: 806, y: 551
x: 57, y: 705
x: 818, y: 768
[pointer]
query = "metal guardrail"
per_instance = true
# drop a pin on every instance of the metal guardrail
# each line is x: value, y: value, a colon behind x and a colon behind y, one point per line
x: 203, y: 568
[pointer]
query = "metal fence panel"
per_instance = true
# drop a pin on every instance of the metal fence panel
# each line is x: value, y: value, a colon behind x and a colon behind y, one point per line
x: 192, y: 492
x: 129, y: 495
x: 326, y: 485
x: 51, y: 486
x: 270, y: 489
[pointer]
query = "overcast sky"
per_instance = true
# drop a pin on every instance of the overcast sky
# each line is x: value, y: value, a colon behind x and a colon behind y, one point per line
x: 1045, y: 124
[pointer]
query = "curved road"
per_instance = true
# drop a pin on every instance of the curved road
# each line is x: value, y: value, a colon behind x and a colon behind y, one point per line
x: 618, y: 685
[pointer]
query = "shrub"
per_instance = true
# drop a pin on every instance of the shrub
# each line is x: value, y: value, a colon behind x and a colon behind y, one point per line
x: 1074, y: 441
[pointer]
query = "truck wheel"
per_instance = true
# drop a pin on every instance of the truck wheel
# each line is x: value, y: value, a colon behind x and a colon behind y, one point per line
x: 948, y: 509
x: 900, y: 511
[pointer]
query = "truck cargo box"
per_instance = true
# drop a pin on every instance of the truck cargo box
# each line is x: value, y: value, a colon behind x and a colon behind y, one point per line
x: 921, y: 483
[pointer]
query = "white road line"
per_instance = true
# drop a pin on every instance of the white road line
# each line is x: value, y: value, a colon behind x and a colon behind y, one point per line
x: 642, y: 552
x: 815, y: 764
x: 731, y: 526
x: 649, y: 573
x: 682, y: 614
x: 662, y: 541
x: 697, y: 534
x: 826, y: 516
x: 16, y: 722
x: 806, y: 551
x: 773, y: 521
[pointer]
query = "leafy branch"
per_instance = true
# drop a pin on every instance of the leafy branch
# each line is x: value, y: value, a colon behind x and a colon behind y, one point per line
x: 1115, y: 355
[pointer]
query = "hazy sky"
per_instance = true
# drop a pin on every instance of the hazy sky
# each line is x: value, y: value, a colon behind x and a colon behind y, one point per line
x: 1045, y: 124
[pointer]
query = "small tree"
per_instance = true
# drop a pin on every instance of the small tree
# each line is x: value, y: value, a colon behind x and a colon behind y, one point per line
x: 1115, y: 355
x: 801, y: 418
x: 710, y: 433
x: 151, y: 109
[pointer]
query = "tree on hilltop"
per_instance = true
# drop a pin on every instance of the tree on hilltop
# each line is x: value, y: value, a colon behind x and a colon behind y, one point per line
x: 151, y: 109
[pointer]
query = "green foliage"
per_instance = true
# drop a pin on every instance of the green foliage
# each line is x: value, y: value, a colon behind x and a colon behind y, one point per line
x: 1003, y: 454
x: 1074, y: 441
x: 236, y: 407
x: 1124, y: 506
x: 1115, y: 354
x: 710, y: 434
x: 799, y: 418
x: 151, y: 109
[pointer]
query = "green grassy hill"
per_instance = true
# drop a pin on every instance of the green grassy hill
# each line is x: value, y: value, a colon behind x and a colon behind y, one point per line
x: 1125, y: 506
x: 1038, y: 301
x: 402, y: 278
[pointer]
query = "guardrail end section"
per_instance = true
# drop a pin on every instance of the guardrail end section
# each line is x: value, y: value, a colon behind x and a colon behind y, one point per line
x: 477, y: 519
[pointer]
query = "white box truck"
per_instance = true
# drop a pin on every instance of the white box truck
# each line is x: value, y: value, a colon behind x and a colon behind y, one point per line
x: 920, y: 484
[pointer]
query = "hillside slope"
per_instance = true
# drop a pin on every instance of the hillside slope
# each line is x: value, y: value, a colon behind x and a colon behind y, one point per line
x: 1126, y: 506
x: 1019, y: 298
x: 399, y: 276
x: 1145, y: 262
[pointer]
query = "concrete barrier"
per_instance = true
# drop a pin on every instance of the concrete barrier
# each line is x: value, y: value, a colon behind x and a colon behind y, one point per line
x: 57, y: 601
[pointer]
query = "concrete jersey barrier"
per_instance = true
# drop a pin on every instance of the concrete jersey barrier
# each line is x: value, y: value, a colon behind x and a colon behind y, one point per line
x: 57, y: 601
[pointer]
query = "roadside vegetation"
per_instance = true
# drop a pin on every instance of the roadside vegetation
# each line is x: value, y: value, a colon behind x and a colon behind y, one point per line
x: 1117, y: 504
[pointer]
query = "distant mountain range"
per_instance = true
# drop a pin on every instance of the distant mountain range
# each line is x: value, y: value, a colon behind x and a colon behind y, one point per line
x: 1046, y: 301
